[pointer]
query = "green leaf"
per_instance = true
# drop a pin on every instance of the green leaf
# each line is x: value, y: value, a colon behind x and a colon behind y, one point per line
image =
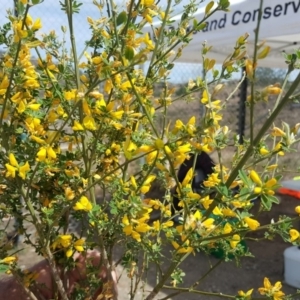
x: 273, y: 199
x: 267, y: 201
x: 3, y: 268
x: 121, y: 18
x: 222, y: 189
x: 209, y: 7
x: 129, y: 52
x: 245, y: 178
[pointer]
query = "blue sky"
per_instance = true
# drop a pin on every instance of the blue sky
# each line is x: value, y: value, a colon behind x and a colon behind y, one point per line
x: 53, y: 18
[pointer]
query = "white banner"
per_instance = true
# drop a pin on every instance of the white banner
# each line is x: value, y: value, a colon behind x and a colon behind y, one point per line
x: 280, y: 27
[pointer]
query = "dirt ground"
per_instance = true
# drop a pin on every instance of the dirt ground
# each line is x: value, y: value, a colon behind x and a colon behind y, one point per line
x: 228, y: 278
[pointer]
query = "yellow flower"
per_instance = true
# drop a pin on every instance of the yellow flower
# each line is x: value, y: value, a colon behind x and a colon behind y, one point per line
x: 83, y: 204
x: 37, y: 24
x: 212, y: 180
x: 145, y: 189
x: 148, y: 42
x: 255, y: 177
x: 89, y: 123
x: 294, y: 234
x: 69, y: 193
x: 60, y: 112
x: 78, y: 245
x: 272, y: 167
x: 63, y: 241
x: 277, y: 132
x: 235, y: 240
x: 129, y: 147
x: 205, y: 97
x: 10, y: 171
x: 263, y: 188
x: 13, y: 161
x: 51, y: 153
x: 183, y: 249
x: 74, y: 172
x: 188, y: 177
x: 117, y: 114
x: 228, y: 212
x: 278, y: 148
x: 270, y: 183
x: 247, y: 295
x: 23, y: 170
x: 263, y: 151
x: 273, y: 90
x: 253, y: 224
x: 42, y: 154
x: 249, y: 68
x: 37, y: 139
x: 136, y: 235
x: 108, y: 86
x: 297, y: 209
x: 167, y: 224
x: 190, y: 125
x: 133, y: 182
x: 69, y: 252
x: 127, y: 229
x: 272, y: 291
x: 178, y: 126
x: 257, y: 190
x: 34, y: 106
x: 227, y: 228
x: 70, y: 95
x: 9, y: 260
x: 125, y: 220
x: 143, y: 227
x: 147, y: 3
x: 13, y: 166
x: 208, y: 223
x: 156, y: 225
x: 77, y: 126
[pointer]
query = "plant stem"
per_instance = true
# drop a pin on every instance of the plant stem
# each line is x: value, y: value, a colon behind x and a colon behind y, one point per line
x: 69, y: 12
x: 263, y: 130
x: 56, y: 276
x: 254, y: 68
x: 164, y: 278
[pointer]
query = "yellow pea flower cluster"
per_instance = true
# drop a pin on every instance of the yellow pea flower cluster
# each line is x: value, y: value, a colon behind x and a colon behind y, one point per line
x: 83, y: 204
x: 46, y: 154
x: 212, y: 180
x: 13, y: 166
x: 270, y: 290
x: 134, y: 227
x: 185, y: 246
x: 251, y: 223
x: 65, y: 242
x: 263, y: 188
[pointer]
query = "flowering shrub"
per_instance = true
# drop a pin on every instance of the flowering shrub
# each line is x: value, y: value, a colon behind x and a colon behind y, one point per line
x: 71, y: 127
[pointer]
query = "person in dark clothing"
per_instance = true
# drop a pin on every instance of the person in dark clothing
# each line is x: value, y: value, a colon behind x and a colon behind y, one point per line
x: 203, y: 168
